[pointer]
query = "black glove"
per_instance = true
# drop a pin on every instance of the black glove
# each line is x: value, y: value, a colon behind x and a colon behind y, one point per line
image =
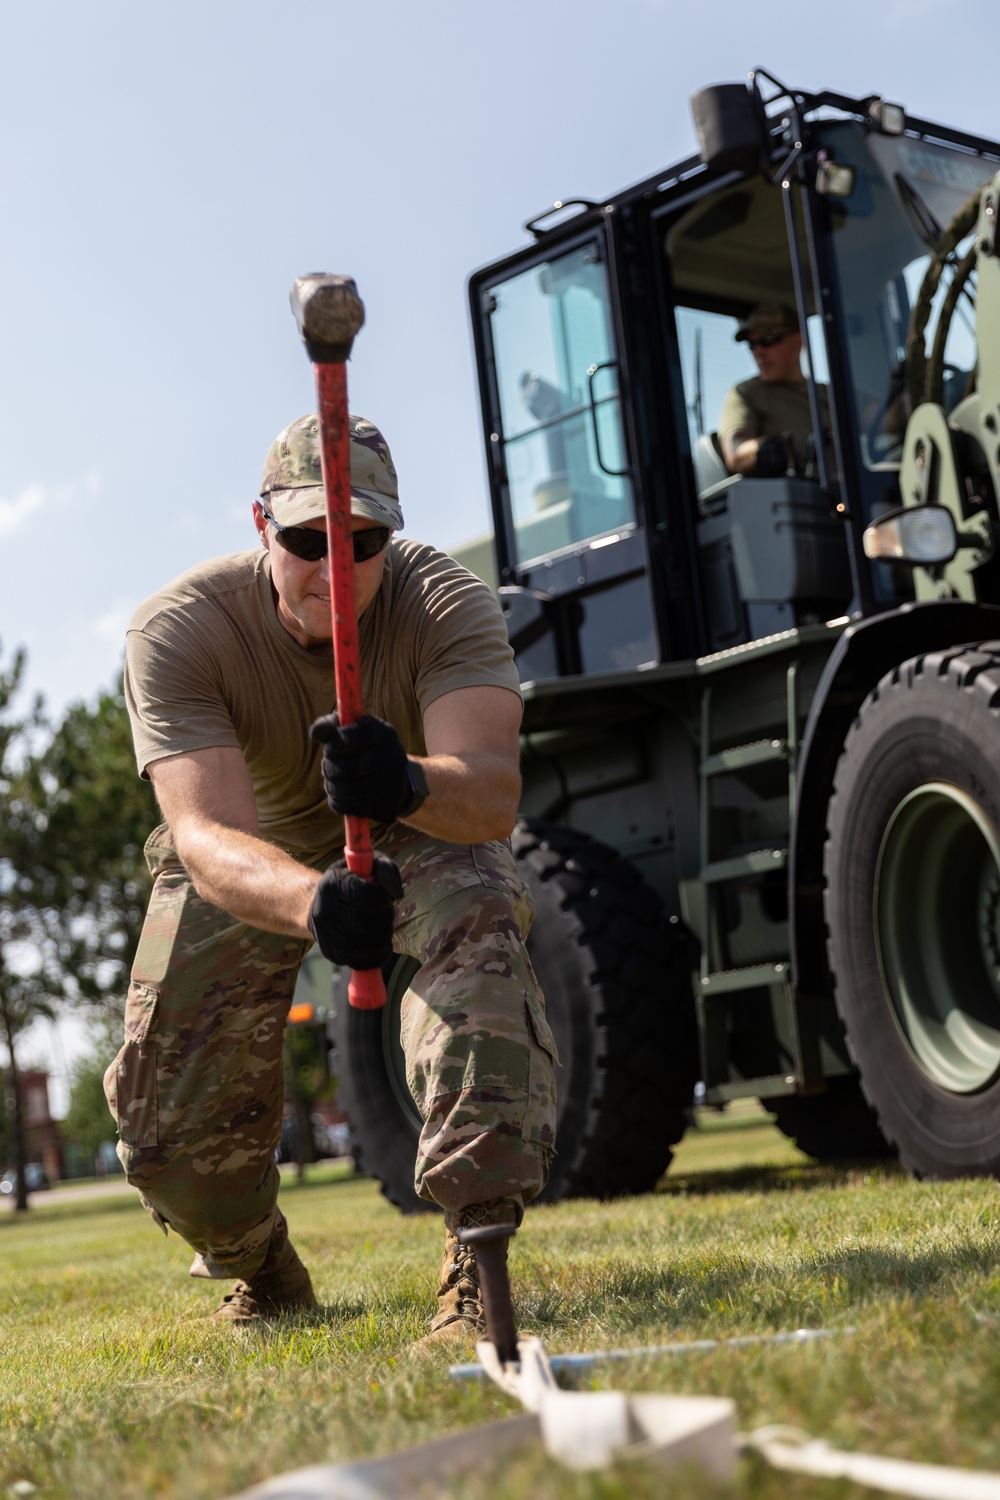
x: 351, y: 918
x: 772, y: 458
x: 364, y: 767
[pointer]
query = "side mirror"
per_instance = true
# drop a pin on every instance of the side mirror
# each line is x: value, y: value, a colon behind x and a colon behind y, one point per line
x: 923, y: 535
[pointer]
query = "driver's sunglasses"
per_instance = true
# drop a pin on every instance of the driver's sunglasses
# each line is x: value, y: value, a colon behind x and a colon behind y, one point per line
x: 767, y: 340
x: 310, y: 545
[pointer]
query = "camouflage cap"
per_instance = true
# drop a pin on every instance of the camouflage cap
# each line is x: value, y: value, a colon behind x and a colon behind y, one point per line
x: 766, y: 318
x: 292, y: 482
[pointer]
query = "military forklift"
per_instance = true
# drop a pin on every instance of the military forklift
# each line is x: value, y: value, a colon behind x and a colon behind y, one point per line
x: 761, y: 744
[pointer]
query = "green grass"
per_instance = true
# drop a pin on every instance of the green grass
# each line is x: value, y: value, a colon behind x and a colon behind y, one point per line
x: 111, y: 1385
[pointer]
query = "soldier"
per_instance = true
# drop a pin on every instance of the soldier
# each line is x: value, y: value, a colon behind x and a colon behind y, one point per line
x: 226, y: 670
x: 766, y: 424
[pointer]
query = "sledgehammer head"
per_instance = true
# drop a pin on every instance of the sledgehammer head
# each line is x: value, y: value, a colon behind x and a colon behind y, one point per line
x: 329, y: 313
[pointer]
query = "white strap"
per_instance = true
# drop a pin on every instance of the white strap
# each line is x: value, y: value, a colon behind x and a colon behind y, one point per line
x: 528, y: 1379
x: 786, y: 1448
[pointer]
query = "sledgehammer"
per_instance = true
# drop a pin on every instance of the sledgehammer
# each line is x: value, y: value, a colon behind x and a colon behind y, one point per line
x: 329, y: 313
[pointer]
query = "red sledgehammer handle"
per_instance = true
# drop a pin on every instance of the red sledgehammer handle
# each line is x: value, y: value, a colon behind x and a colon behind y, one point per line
x: 365, y: 990
x: 329, y: 312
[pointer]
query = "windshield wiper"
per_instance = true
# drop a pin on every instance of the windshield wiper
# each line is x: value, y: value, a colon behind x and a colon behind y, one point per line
x: 926, y: 225
x: 920, y: 216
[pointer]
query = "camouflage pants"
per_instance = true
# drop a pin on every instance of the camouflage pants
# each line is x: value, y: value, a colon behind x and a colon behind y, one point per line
x: 197, y: 1088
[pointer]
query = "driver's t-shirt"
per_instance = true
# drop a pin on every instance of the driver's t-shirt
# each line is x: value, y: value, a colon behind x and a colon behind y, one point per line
x: 208, y: 663
x: 771, y: 409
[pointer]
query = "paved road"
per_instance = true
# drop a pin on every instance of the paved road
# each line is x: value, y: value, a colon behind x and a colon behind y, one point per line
x: 115, y: 1186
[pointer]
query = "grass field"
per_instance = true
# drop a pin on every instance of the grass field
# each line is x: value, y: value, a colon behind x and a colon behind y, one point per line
x: 111, y: 1386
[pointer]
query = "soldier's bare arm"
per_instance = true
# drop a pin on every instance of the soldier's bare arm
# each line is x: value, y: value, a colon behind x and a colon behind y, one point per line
x: 207, y: 798
x: 739, y: 449
x: 739, y: 429
x: 472, y: 765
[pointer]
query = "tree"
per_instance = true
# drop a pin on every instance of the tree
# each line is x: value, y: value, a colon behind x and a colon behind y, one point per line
x: 88, y: 1121
x: 6, y: 1145
x: 73, y: 883
x: 24, y: 995
x: 82, y: 868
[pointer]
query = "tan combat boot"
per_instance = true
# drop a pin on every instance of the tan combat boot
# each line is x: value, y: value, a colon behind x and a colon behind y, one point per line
x: 460, y: 1314
x: 280, y: 1286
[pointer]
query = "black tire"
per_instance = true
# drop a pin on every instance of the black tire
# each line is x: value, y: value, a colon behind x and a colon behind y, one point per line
x: 371, y: 1086
x: 616, y: 980
x: 837, y: 1125
x: 912, y: 902
x: 618, y: 998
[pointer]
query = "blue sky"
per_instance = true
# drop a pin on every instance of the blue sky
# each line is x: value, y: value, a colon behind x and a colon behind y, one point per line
x: 168, y: 171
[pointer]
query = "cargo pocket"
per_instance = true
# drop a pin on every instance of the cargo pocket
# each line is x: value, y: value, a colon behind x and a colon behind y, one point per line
x: 130, y: 1082
x: 540, y: 1115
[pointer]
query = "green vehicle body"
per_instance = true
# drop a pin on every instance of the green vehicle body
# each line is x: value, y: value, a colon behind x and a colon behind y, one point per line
x: 756, y: 631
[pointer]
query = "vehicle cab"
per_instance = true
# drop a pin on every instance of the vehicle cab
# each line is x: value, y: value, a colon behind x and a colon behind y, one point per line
x: 606, y: 348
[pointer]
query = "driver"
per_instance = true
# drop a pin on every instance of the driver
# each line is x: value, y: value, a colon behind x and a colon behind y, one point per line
x: 765, y: 425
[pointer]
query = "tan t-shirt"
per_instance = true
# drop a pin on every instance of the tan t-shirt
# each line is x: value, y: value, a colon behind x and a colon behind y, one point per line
x: 208, y: 663
x: 772, y: 408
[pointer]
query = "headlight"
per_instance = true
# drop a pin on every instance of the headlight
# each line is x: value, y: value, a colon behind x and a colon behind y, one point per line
x: 923, y: 534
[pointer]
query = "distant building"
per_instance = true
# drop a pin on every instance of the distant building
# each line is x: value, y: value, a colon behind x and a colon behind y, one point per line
x: 43, y: 1138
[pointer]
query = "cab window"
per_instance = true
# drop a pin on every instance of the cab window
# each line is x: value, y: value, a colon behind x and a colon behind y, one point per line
x: 560, y: 404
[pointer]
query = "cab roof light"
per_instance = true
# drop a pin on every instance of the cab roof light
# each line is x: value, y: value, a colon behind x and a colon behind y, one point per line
x: 889, y: 118
x: 924, y: 535
x: 834, y: 179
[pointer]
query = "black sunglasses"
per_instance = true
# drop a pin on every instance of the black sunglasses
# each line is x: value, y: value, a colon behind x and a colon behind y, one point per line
x: 310, y: 545
x: 767, y: 340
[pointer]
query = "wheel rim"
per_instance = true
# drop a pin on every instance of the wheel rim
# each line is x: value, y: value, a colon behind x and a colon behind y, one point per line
x: 937, y: 929
x: 392, y: 1048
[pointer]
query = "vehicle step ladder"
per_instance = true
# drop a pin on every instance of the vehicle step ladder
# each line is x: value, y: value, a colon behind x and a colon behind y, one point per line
x: 718, y: 988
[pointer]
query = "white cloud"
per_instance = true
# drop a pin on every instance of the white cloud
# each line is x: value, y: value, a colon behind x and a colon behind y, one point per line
x: 15, y: 513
